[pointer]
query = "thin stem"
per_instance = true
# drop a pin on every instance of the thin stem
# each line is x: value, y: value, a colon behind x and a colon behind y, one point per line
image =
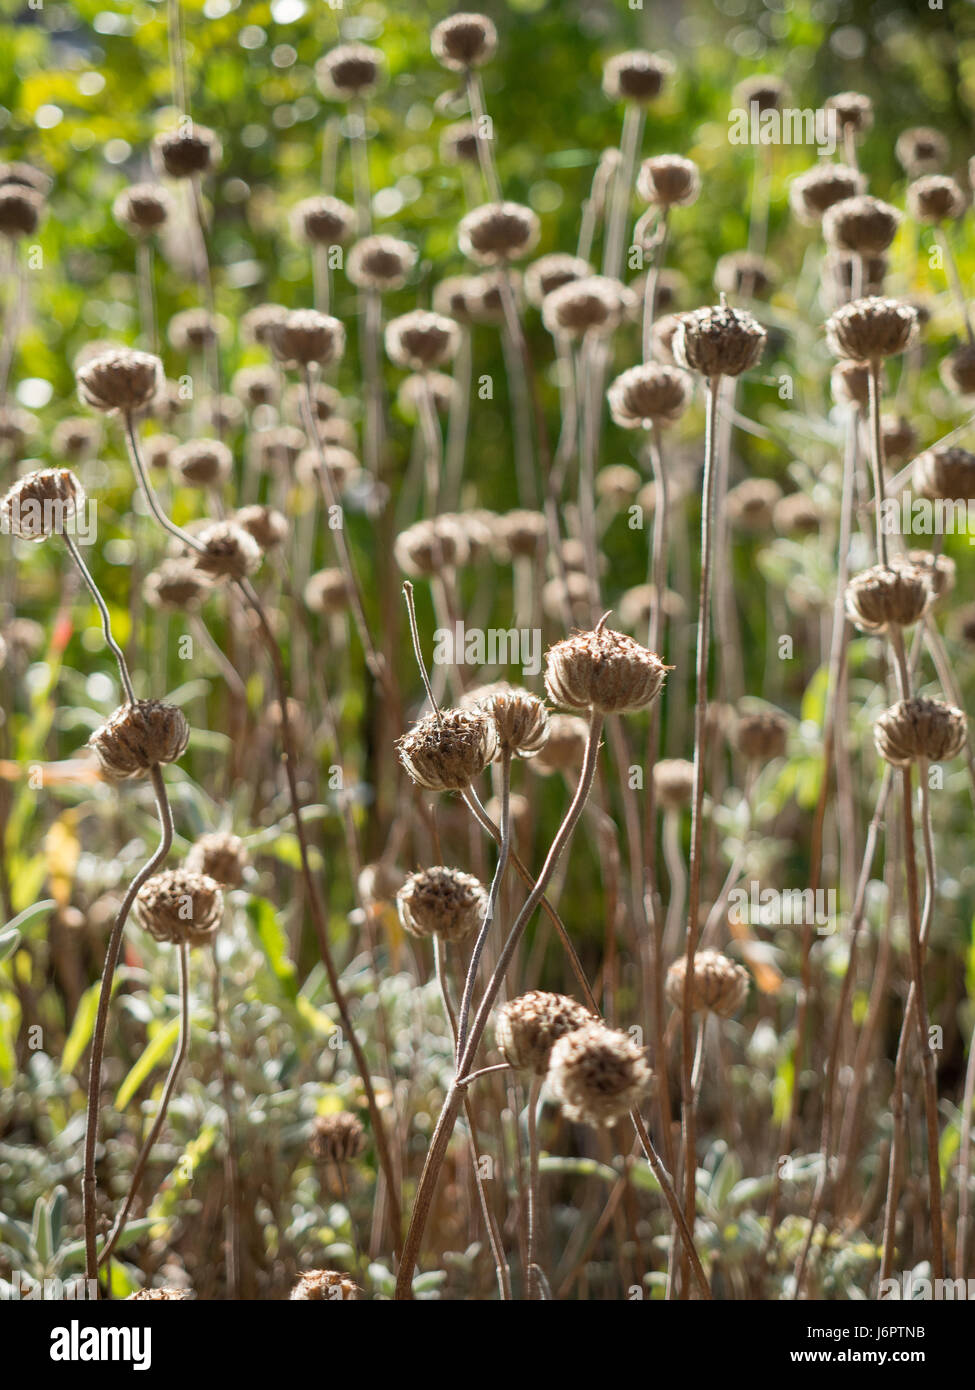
x: 492, y: 903
x: 100, y: 604
x: 534, y: 1094
x: 877, y: 461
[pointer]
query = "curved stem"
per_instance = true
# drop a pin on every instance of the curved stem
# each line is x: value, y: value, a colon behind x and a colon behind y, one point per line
x: 492, y: 904
x: 100, y: 604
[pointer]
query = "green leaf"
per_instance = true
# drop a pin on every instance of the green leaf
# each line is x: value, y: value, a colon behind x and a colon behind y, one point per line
x: 82, y: 1027
x: 151, y: 1055
x: 23, y: 919
x: 8, y: 942
x: 274, y: 943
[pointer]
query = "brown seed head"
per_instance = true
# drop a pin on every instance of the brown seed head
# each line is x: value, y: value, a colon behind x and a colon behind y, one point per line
x: 673, y: 783
x: 528, y: 1027
x: 649, y: 394
x: 760, y: 735
x: 719, y: 987
x: 764, y: 89
x: 350, y: 70
x: 919, y: 728
x: 194, y: 330
x: 380, y: 263
x: 257, y: 323
x: 718, y: 341
x: 143, y: 208
x: 41, y: 503
x: 77, y: 437
x: 229, y: 552
x: 420, y: 340
x: 899, y: 437
x: 850, y: 383
x: 668, y: 180
x: 21, y: 209
x: 426, y: 547
x: 796, y: 515
x: 324, y: 221
x: 551, y: 272
x: 941, y: 570
x: 327, y: 592
x: 921, y: 150
x: 202, y: 462
x: 177, y: 584
x: 320, y: 1285
x: 139, y: 737
x: 854, y: 111
x: 812, y: 194
x: 935, y: 198
x: 750, y: 505
x: 565, y: 746
x: 337, y: 1138
x: 179, y: 906
x: 870, y: 329
x: 637, y: 76
x: 267, y: 525
x: 603, y: 670
x: 945, y: 473
x: 957, y: 371
x: 191, y: 149
x: 882, y: 597
x: 441, y: 902
x: 862, y: 224
x: 121, y: 380
x: 220, y: 856
x: 520, y: 718
x: 596, y: 305
x: 307, y: 336
x: 450, y: 753
x: 742, y: 273
x: 498, y: 232
x: 598, y: 1074
x: 464, y: 41
x: 458, y: 143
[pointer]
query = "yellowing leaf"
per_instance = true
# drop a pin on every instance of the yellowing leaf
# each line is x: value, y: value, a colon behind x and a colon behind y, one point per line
x: 62, y: 850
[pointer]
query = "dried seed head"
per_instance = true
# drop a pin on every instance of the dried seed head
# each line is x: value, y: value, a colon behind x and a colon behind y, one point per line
x: 220, y: 856
x: 257, y: 323
x: 637, y: 76
x: 940, y: 569
x: 764, y: 89
x: 854, y: 111
x: 449, y: 753
x: 350, y: 70
x: 325, y: 401
x: 194, y: 330
x: 649, y: 394
x: 862, y: 224
x: 327, y: 592
x: 420, y: 340
x: 551, y: 272
x: 229, y: 552
x: 921, y: 150
x: 565, y: 746
x: 870, y: 329
x: 598, y: 1074
x: 41, y: 503
x: 796, y: 515
x: 380, y: 263
x: 326, y: 1285
x: 279, y: 449
x: 426, y: 547
x: 668, y: 180
x: 464, y: 41
x: 191, y: 149
x: 120, y: 380
x: 719, y: 987
x: 595, y: 305
x: 841, y: 268
x: 522, y: 533
x: 16, y: 427
x: 742, y: 273
x: 958, y: 370
x: 164, y: 1293
x: 177, y: 584
x: 638, y: 604
x: 379, y: 882
x: 617, y: 483
x: 850, y: 383
x: 143, y: 208
x: 26, y: 176
x: 267, y: 525
x: 750, y: 505
x: 180, y: 906
x: 340, y: 464
x: 440, y: 387
x: 139, y: 737
x: 324, y: 221
x: 935, y: 198
x: 919, y: 728
x: 454, y: 297
x: 664, y: 333
x: 812, y: 194
x: 486, y: 298
x: 520, y: 718
x: 603, y: 670
x: 760, y: 735
x: 528, y: 1027
x: 202, y: 462
x: 21, y: 209
x: 718, y: 341
x: 673, y: 783
x: 441, y: 902
x: 458, y: 143
x: 307, y: 336
x: 945, y: 472
x: 78, y: 437
x: 899, y: 437
x: 256, y: 385
x: 337, y: 1138
x: 498, y: 232
x: 882, y: 597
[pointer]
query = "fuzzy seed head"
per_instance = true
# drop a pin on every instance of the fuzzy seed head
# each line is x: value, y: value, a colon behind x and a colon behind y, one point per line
x: 520, y: 718
x: 229, y: 552
x: 420, y: 340
x: 21, y: 209
x: 306, y: 336
x: 121, y: 380
x: 742, y: 273
x: 935, y: 198
x: 143, y: 208
x: 870, y: 329
x: 380, y: 263
x: 327, y: 592
x: 326, y: 1285
x: 879, y: 598
x: 191, y: 149
x: 598, y: 1074
x: 864, y: 225
x: 760, y: 735
x: 718, y: 341
x: 427, y: 547
x: 921, y: 150
x: 450, y: 753
x: 350, y: 70
x: 324, y: 221
x: 551, y: 272
x: 458, y: 143
x: 565, y: 746
x: 957, y: 371
x: 812, y: 194
x: 764, y: 90
x: 603, y: 670
x: 946, y: 472
x: 668, y: 180
x: 528, y: 1027
x: 498, y: 232
x: 337, y: 1138
x: 720, y: 985
x: 854, y: 111
x: 180, y: 907
x: 637, y: 76
x: 41, y: 503
x: 267, y: 525
x: 139, y: 737
x: 176, y: 585
x: 920, y: 728
x: 649, y: 394
x: 595, y: 305
x: 673, y: 783
x: 464, y: 41
x: 441, y: 902
x: 220, y: 856
x: 202, y: 462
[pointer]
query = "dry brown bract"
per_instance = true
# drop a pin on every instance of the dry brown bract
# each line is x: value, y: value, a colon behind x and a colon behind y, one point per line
x: 350, y: 70
x: 919, y: 728
x: 337, y: 1138
x: 812, y: 194
x: 760, y: 735
x: 176, y: 584
x: 380, y: 263
x: 598, y: 1074
x: 464, y: 41
x: 854, y: 111
x: 320, y: 1285
x: 945, y: 473
x: 41, y: 503
x: 120, y: 380
x: 936, y: 198
x: 528, y: 1027
x: 228, y: 551
x: 718, y: 341
x: 441, y: 902
x: 719, y: 987
x: 921, y: 150
x: 881, y: 597
x: 871, y: 329
x: 649, y: 394
x: 519, y: 717
x: 863, y: 224
x: 139, y: 737
x: 191, y: 149
x: 668, y: 180
x: 324, y: 221
x: 420, y: 340
x: 636, y: 76
x: 267, y: 525
x: 448, y: 753
x: 143, y: 208
x: 498, y: 232
x: 596, y: 305
x: 551, y: 272
x: 603, y: 670
x: 305, y: 336
x: 220, y: 856
x: 180, y: 907
x: 202, y: 462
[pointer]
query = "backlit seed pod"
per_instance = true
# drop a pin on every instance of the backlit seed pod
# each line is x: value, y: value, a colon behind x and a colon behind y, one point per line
x: 957, y: 371
x: 603, y: 670
x: 21, y: 209
x: 550, y: 273
x: 380, y: 263
x: 278, y: 450
x: 458, y: 143
x: 946, y: 472
x: 760, y: 735
x: 143, y: 208
x: 718, y: 341
x: 883, y: 597
x: 850, y: 383
x: 327, y: 592
x: 812, y: 194
x: 121, y: 380
x: 664, y: 333
x: 464, y: 41
x: 638, y: 604
x: 223, y: 413
x: 921, y: 150
x: 617, y: 483
x: 842, y: 268
x: 40, y: 504
x: 306, y: 336
x: 441, y: 902
x: 940, y: 569
x: 78, y: 437
x: 337, y: 1138
x: 636, y: 76
x: 325, y: 400
x: 179, y: 907
x: 673, y: 783
x: 194, y: 330
x: 427, y: 547
x: 868, y: 330
x: 565, y: 746
x: 220, y: 856
x: 420, y: 340
x: 324, y: 221
x: 743, y: 273
x: 498, y: 232
x: 350, y: 70
x: 453, y: 296
x: 528, y: 1027
x: 441, y: 388
x: 796, y: 515
x: 764, y: 90
x: 165, y: 1294
x: 266, y: 524
x: 449, y: 753
x: 486, y: 296
x: 340, y: 464
x: 202, y: 462
x: 862, y: 224
x: 191, y: 149
x: 598, y: 1074
x: 899, y: 437
x: 176, y: 585
x: 520, y: 718
x: 326, y: 1285
x: 256, y: 386
x: 719, y: 986
x: 668, y: 180
x: 522, y: 533
x: 26, y: 176
x: 139, y: 737
x: 919, y: 728
x: 229, y: 552
x: 257, y: 323
x: 596, y: 305
x: 854, y: 111
x: 750, y: 505
x: 935, y: 198
x: 649, y: 394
